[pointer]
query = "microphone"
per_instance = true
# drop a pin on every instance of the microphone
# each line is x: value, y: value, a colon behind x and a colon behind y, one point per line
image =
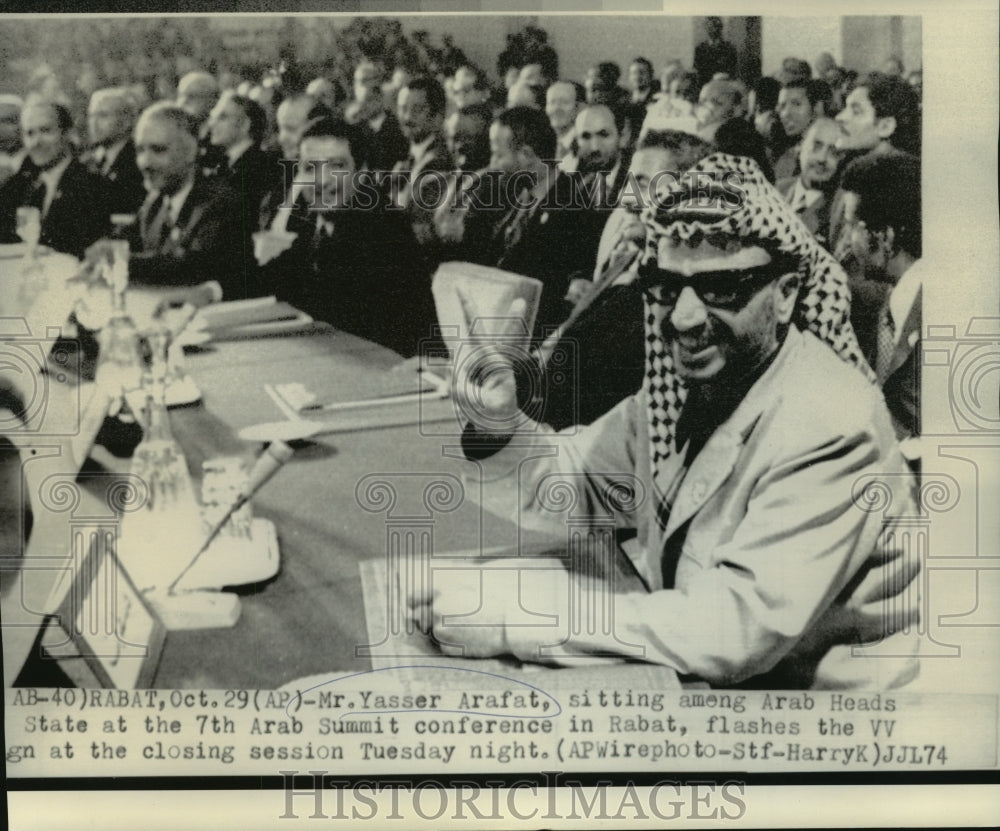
x: 268, y: 463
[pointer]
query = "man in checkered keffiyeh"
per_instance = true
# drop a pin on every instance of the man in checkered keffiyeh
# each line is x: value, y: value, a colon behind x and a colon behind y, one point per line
x: 692, y: 210
x: 757, y: 471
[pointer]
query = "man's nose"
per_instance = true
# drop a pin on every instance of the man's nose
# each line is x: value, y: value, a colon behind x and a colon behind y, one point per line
x: 689, y: 312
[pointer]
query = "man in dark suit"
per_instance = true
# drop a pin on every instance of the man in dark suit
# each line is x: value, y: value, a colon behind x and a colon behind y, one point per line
x: 384, y: 139
x: 715, y: 55
x: 886, y: 241
x: 536, y: 221
x: 197, y: 94
x: 420, y: 182
x: 236, y: 126
x: 71, y: 200
x: 603, y: 138
x: 110, y: 120
x: 811, y: 192
x: 188, y: 228
x: 352, y: 263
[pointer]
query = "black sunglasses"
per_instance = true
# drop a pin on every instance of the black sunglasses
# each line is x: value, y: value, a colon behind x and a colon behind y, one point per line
x: 730, y: 289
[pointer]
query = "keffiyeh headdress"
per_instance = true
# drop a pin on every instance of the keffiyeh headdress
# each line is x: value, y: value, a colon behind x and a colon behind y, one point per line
x: 754, y: 211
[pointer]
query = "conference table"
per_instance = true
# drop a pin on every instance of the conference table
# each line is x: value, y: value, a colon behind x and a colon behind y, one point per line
x: 346, y: 500
x: 311, y: 618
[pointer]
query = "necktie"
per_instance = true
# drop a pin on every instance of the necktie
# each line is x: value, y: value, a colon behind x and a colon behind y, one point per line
x: 36, y: 196
x: 515, y: 225
x: 403, y: 193
x: 166, y: 223
x: 885, y: 343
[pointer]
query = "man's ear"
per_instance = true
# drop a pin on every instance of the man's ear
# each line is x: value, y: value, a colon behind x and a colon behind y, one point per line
x: 886, y: 126
x: 787, y: 295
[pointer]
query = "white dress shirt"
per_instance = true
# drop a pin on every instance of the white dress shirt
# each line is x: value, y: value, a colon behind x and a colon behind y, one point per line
x: 50, y: 178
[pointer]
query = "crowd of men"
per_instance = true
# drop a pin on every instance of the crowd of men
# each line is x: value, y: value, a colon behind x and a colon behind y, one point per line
x: 458, y: 170
x: 345, y: 207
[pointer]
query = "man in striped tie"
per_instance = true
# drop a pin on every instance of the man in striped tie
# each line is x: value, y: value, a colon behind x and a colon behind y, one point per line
x: 737, y: 472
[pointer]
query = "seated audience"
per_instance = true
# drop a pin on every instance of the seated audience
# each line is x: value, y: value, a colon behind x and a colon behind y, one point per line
x: 797, y: 109
x: 469, y: 86
x: 641, y: 85
x: 535, y: 220
x: 236, y: 126
x: 111, y: 119
x: 386, y: 144
x: 353, y: 262
x: 881, y: 116
x: 601, y: 84
x: 718, y: 102
x: 187, y: 231
x: 810, y: 193
x: 467, y: 132
x: 675, y: 111
x: 326, y: 92
x: 603, y: 136
x: 294, y: 116
x: 563, y: 101
x: 539, y: 71
x: 72, y: 201
x: 886, y: 241
x: 197, y: 94
x: 420, y: 110
x: 603, y: 337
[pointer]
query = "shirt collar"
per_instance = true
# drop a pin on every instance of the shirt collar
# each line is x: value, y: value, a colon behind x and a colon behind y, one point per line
x: 420, y: 148
x: 52, y: 176
x: 801, y: 193
x: 564, y: 142
x: 176, y: 201
x: 612, y: 175
x: 237, y: 150
x: 111, y: 152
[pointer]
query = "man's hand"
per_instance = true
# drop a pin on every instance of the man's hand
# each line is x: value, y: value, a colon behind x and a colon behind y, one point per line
x: 453, y: 594
x: 449, y: 217
x: 268, y: 245
x: 579, y: 288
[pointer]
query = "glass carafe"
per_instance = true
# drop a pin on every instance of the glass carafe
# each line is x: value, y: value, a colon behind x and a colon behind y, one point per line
x: 161, y: 537
x: 120, y: 362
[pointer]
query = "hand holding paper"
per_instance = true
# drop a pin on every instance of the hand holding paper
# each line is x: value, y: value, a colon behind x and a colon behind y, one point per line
x: 483, y: 381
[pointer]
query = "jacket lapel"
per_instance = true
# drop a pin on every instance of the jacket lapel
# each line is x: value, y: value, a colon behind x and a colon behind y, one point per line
x: 191, y: 211
x: 714, y: 464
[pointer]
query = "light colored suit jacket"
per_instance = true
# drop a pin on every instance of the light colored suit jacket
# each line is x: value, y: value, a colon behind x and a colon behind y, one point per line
x: 816, y: 217
x: 781, y: 566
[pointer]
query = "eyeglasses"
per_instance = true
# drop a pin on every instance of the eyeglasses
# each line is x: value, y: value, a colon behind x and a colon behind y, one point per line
x: 730, y: 290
